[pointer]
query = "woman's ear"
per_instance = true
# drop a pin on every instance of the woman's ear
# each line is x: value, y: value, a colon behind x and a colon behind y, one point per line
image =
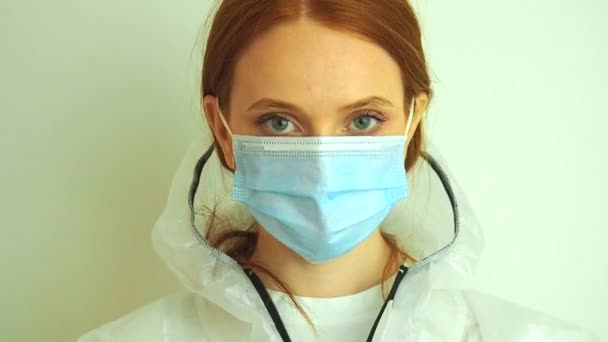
x: 220, y: 133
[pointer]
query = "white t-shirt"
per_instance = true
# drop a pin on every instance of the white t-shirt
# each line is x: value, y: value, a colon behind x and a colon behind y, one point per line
x: 346, y: 318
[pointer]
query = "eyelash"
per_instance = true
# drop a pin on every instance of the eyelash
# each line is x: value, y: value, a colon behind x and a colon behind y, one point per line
x: 381, y: 117
x: 266, y: 117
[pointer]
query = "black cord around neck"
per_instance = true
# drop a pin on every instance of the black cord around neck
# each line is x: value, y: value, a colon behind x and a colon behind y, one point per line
x: 270, y: 307
x: 276, y: 317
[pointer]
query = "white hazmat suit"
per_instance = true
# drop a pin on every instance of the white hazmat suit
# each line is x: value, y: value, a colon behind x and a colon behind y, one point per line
x: 432, y: 303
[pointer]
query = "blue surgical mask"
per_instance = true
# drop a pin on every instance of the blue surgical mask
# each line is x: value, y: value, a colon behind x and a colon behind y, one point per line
x: 320, y: 196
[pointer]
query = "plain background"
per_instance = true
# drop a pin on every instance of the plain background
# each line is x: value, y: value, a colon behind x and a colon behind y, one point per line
x: 99, y: 100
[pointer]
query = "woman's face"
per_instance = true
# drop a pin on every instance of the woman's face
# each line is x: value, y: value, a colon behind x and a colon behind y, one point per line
x: 304, y: 79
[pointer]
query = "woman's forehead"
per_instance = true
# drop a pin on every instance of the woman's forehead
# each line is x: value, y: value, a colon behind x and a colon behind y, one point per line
x: 306, y: 63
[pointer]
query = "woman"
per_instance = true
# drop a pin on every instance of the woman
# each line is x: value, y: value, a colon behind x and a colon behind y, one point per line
x: 300, y: 223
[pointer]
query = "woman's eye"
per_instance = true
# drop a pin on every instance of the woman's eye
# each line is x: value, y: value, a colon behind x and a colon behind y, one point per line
x: 279, y: 124
x: 364, y: 123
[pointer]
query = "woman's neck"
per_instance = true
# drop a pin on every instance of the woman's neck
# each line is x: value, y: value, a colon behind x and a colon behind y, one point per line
x: 358, y: 270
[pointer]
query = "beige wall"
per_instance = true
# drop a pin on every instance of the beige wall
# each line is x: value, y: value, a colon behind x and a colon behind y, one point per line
x: 99, y: 101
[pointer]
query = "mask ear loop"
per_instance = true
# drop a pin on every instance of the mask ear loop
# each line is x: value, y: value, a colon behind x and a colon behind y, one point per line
x: 408, y: 125
x: 222, y: 118
x: 410, y: 117
x: 225, y: 123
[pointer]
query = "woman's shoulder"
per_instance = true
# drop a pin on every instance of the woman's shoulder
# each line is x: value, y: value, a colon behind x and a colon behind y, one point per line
x: 472, y: 316
x: 144, y: 323
x: 498, y: 319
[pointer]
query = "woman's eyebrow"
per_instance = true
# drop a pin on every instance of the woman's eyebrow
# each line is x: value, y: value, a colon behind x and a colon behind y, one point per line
x: 370, y: 101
